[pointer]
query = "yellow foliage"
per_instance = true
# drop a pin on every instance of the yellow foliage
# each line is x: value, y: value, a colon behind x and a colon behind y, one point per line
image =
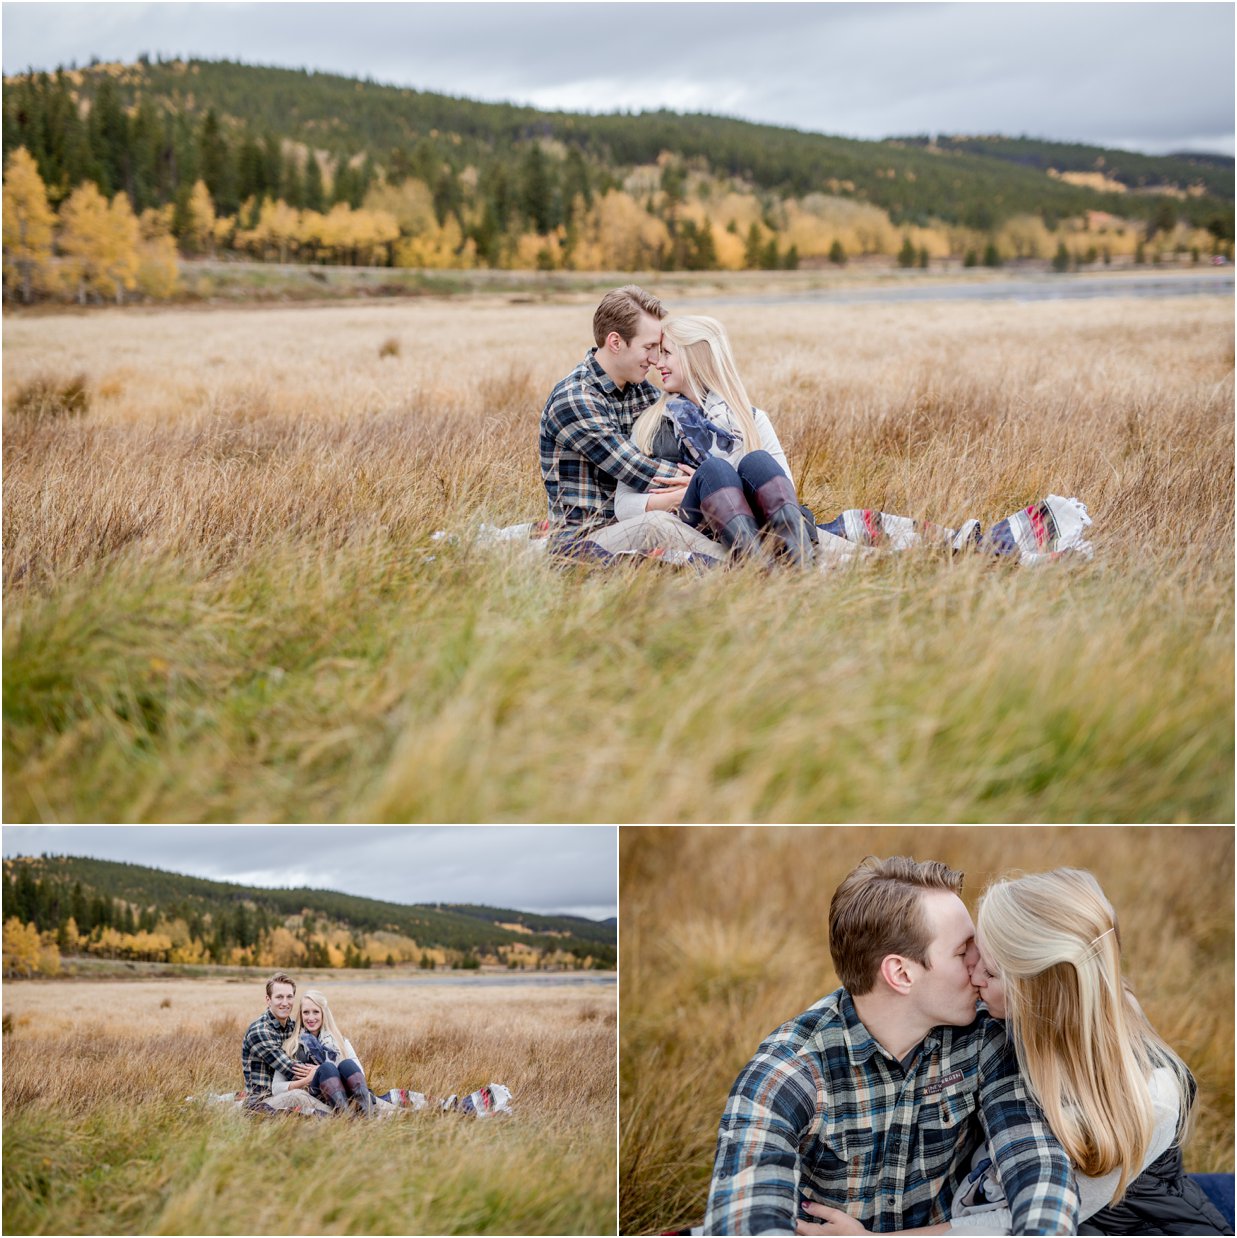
x: 22, y: 948
x: 730, y: 249
x: 410, y: 204
x: 156, y: 221
x: 278, y: 225
x: 439, y: 248
x: 100, y: 241
x: 281, y: 948
x: 201, y: 218
x: 814, y: 222
x: 617, y: 234
x: 28, y: 221
x: 158, y: 272
x: 1090, y: 180
x: 1024, y: 236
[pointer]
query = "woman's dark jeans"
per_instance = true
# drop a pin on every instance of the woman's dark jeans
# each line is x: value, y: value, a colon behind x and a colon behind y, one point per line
x: 349, y: 1076
x: 755, y: 469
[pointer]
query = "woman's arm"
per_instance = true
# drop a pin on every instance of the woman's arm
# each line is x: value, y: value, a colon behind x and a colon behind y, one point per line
x: 630, y: 502
x: 769, y: 442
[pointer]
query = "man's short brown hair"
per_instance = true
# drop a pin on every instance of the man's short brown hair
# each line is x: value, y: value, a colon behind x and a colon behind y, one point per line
x: 279, y: 978
x: 878, y: 910
x: 620, y: 311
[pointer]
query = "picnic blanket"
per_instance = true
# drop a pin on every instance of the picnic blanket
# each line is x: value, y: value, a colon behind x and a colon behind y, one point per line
x: 485, y: 1102
x: 1047, y: 530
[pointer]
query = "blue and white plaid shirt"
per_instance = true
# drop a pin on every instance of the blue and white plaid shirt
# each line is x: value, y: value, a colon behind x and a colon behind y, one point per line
x: 586, y: 446
x: 823, y: 1113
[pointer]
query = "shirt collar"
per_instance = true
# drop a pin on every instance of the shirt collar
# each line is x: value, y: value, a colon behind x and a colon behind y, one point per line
x: 604, y: 381
x: 284, y: 1028
x: 862, y: 1045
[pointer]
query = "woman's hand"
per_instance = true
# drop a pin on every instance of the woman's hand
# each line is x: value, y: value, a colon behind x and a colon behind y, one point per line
x: 833, y: 1221
x: 667, y: 500
x: 301, y: 1076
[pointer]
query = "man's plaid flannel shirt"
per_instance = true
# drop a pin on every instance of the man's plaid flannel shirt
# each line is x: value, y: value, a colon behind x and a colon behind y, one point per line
x: 823, y: 1113
x: 586, y: 446
x: 262, y: 1055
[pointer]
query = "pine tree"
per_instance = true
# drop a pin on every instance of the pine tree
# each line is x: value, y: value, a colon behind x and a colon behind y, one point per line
x: 752, y: 250
x: 314, y: 196
x: 215, y: 164
x: 906, y: 255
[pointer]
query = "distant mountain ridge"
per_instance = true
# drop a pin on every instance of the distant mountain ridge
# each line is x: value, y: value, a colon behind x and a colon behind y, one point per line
x: 48, y: 890
x: 369, y: 128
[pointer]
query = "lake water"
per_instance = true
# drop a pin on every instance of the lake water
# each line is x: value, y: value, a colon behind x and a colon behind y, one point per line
x: 1040, y: 287
x: 494, y: 981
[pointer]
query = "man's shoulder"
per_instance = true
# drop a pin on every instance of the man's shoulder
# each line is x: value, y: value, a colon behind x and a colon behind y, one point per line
x: 582, y: 380
x: 814, y: 1027
x: 257, y: 1025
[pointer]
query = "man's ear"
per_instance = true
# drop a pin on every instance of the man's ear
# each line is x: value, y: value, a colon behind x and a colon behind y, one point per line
x: 614, y: 341
x: 895, y: 972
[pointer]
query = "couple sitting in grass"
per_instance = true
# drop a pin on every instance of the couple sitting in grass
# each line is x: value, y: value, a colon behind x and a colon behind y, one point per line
x: 694, y: 472
x: 295, y: 1059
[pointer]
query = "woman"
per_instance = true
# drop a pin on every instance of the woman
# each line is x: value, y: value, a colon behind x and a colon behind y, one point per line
x: 742, y: 481
x: 316, y: 1040
x: 340, y: 1079
x: 1116, y: 1097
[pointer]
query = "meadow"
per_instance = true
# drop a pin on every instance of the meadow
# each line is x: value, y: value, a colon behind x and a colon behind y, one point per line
x: 98, y: 1138
x: 223, y: 603
x: 725, y: 937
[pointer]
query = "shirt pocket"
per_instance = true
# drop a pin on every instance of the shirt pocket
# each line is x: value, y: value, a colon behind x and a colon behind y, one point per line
x: 838, y: 1162
x: 946, y: 1131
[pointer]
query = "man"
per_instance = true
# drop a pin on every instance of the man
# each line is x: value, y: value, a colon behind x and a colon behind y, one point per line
x: 873, y: 1100
x: 585, y: 438
x: 262, y: 1053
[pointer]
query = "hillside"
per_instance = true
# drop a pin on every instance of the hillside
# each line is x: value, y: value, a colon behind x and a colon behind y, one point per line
x: 291, y: 165
x: 190, y: 919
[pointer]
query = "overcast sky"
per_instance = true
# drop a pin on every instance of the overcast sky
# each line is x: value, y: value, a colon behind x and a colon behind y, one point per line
x: 1152, y: 77
x: 546, y: 869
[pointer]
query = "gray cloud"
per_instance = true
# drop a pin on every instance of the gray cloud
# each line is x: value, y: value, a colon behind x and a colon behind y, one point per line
x: 1155, y: 76
x: 547, y: 869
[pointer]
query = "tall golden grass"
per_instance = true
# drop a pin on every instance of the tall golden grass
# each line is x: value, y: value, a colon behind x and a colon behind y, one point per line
x: 98, y: 1138
x: 220, y: 603
x: 725, y: 936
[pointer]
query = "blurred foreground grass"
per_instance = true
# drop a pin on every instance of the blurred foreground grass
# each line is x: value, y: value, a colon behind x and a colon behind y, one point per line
x: 725, y: 937
x: 354, y: 686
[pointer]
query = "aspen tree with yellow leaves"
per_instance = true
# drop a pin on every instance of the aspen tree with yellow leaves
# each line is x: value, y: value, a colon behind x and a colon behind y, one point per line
x: 28, y: 221
x: 101, y: 243
x: 200, y: 232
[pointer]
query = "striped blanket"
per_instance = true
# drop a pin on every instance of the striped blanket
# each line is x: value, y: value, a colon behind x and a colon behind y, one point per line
x: 1041, y: 533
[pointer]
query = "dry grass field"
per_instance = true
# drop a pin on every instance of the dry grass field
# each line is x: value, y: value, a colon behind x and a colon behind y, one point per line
x: 220, y: 603
x: 725, y: 936
x: 98, y: 1139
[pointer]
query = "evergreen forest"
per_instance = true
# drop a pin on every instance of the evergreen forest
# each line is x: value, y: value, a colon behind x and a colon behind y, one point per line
x: 67, y: 905
x: 115, y: 174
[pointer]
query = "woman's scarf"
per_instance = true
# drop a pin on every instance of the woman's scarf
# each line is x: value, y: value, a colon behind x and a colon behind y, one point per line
x: 699, y: 438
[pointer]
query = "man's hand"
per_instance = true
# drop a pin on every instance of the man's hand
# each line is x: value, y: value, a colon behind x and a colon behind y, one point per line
x: 833, y: 1221
x: 667, y: 495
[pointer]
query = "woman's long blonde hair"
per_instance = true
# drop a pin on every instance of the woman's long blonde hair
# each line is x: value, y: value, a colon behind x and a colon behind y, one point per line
x: 1085, y: 1049
x: 328, y: 1022
x: 708, y: 365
